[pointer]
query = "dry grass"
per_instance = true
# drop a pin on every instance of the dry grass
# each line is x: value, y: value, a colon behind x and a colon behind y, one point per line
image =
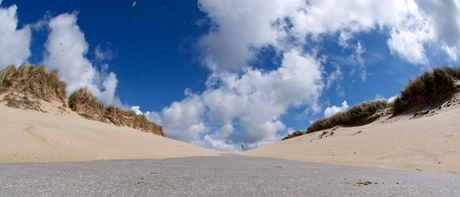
x: 357, y: 115
x: 17, y: 101
x: 427, y: 89
x: 33, y: 83
x: 361, y: 114
x: 129, y: 118
x: 27, y: 85
x: 85, y: 104
x: 294, y: 134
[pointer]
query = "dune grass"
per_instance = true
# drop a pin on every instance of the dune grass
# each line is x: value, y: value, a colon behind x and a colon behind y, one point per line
x: 427, y: 89
x: 294, y: 134
x: 27, y: 85
x: 357, y: 115
x: 84, y: 103
x: 33, y: 82
x: 129, y: 118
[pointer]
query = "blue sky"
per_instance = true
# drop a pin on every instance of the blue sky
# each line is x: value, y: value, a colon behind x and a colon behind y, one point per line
x: 223, y: 73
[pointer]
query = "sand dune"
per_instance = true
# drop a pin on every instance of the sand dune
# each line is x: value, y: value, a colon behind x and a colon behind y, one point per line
x: 31, y: 136
x: 428, y: 143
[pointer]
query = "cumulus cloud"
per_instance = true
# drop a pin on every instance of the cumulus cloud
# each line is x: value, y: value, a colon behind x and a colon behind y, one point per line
x: 412, y: 25
x: 14, y: 42
x: 254, y: 101
x: 446, y: 17
x: 329, y: 111
x: 243, y: 104
x: 66, y: 50
x: 184, y: 120
x: 246, y: 26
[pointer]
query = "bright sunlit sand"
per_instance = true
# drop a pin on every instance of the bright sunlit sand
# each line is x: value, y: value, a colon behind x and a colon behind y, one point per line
x: 31, y: 136
x: 426, y: 144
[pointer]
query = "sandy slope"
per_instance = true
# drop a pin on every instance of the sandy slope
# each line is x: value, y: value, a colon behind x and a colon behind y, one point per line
x: 427, y: 143
x: 30, y: 136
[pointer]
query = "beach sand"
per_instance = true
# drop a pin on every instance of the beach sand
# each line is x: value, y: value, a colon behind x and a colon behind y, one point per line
x: 429, y: 143
x: 31, y: 136
x: 425, y: 143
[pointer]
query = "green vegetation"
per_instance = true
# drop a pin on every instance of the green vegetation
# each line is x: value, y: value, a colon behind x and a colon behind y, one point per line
x: 427, y: 89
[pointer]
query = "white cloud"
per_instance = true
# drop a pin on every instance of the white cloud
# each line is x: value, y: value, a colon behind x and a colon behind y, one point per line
x: 329, y: 111
x: 67, y: 48
x: 137, y: 110
x: 411, y: 28
x: 356, y: 59
x: 154, y: 117
x: 240, y: 28
x: 392, y: 99
x: 14, y: 43
x: 184, y: 120
x: 333, y: 77
x: 389, y: 100
x: 243, y: 104
x: 408, y: 44
x: 254, y: 100
x: 101, y: 54
x: 446, y: 19
x: 452, y: 52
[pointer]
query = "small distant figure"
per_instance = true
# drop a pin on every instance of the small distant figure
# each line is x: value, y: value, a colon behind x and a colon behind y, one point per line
x: 242, y: 147
x: 134, y: 3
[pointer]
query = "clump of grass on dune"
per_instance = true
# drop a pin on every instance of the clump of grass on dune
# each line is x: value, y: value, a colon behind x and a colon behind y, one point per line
x: 119, y: 116
x: 33, y: 82
x: 360, y: 114
x: 27, y: 85
x: 427, y: 89
x: 84, y: 103
x: 141, y: 122
x: 294, y: 134
x: 129, y: 118
x: 357, y: 115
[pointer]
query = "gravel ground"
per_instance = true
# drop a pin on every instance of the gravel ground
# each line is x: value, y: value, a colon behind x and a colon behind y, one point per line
x: 227, y: 175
